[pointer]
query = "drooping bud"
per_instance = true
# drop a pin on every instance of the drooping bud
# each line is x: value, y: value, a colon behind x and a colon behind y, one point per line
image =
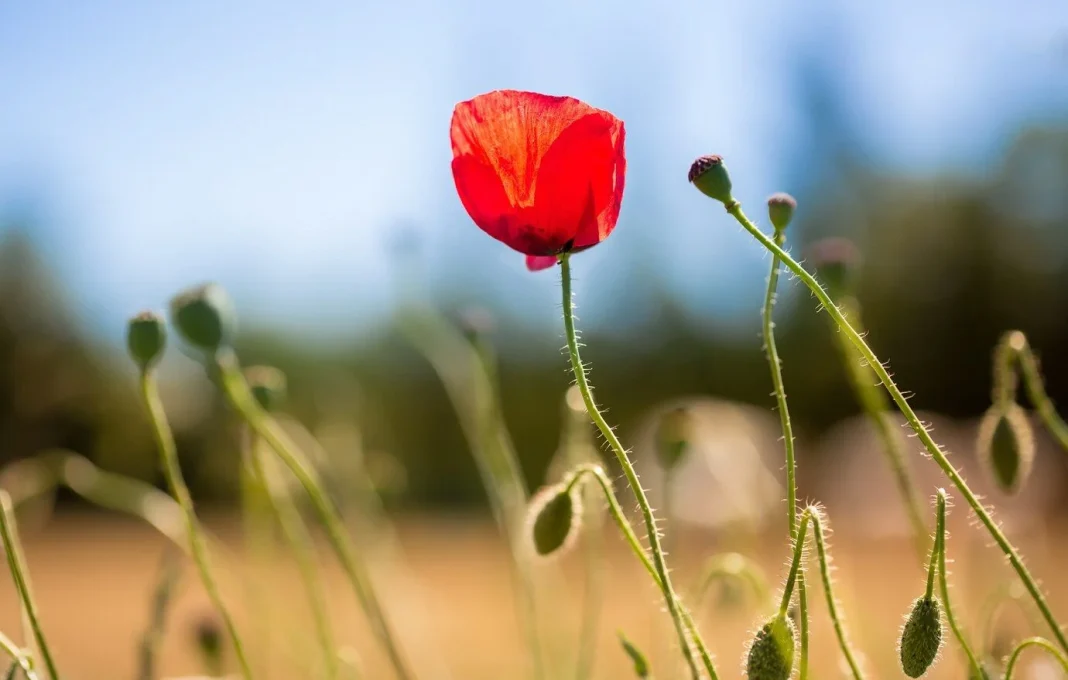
x: 209, y: 640
x: 709, y: 175
x: 268, y: 386
x: 771, y: 654
x: 836, y: 261
x: 1006, y: 446
x: 146, y: 338
x: 921, y: 638
x: 204, y: 316
x: 781, y: 209
x: 553, y: 519
x: 673, y: 435
x: 641, y: 665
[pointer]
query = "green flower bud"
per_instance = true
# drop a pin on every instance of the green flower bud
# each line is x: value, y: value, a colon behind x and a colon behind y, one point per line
x: 836, y: 261
x: 781, y: 209
x: 1006, y: 446
x: 921, y: 638
x: 146, y: 338
x: 673, y: 435
x: 268, y: 385
x: 641, y: 666
x: 771, y: 654
x: 209, y: 640
x: 709, y: 175
x: 204, y: 316
x: 554, y: 519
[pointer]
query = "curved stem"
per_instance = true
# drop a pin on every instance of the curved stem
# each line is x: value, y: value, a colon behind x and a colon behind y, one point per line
x: 732, y: 566
x: 240, y: 397
x: 1036, y: 390
x: 875, y: 405
x: 288, y: 518
x: 943, y: 585
x: 616, y: 511
x: 1035, y: 642
x: 899, y: 398
x: 795, y: 565
x: 12, y: 650
x: 828, y: 591
x: 674, y: 606
x: 173, y: 473
x: 16, y: 562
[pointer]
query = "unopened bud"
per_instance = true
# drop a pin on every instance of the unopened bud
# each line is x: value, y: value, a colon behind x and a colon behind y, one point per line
x: 771, y: 654
x: 554, y: 518
x: 836, y: 261
x: 709, y: 175
x: 268, y: 386
x: 673, y: 435
x: 1006, y: 446
x: 781, y: 209
x: 921, y: 638
x: 146, y: 338
x: 204, y: 316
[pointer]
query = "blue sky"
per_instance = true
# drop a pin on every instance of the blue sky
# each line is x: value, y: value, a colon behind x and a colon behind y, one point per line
x: 275, y: 147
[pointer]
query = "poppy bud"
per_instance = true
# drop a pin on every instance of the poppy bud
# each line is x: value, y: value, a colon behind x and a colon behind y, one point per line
x: 771, y: 654
x: 268, y: 386
x: 921, y: 638
x: 836, y: 261
x: 709, y: 175
x: 208, y: 635
x: 1006, y: 446
x: 146, y: 337
x: 555, y: 515
x: 641, y: 665
x: 673, y: 437
x: 781, y: 209
x: 204, y: 316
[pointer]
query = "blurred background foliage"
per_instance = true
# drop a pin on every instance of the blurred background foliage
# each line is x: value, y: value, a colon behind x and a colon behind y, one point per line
x: 950, y: 262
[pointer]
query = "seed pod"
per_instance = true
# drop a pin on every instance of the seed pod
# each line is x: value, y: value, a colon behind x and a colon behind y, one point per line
x: 554, y: 518
x: 204, y: 316
x: 268, y: 385
x: 836, y: 261
x: 771, y: 654
x: 781, y: 209
x: 1006, y: 446
x: 146, y: 338
x: 709, y: 175
x: 921, y: 638
x: 673, y: 434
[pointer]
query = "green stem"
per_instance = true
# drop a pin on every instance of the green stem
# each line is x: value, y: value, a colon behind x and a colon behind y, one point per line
x: 173, y: 474
x: 943, y: 585
x: 616, y: 511
x: 734, y: 208
x: 795, y: 565
x: 1036, y: 390
x: 674, y: 606
x: 240, y: 397
x: 12, y: 650
x: 168, y: 580
x: 288, y: 518
x: 875, y: 405
x: 16, y: 562
x: 828, y: 592
x: 1035, y: 642
x: 779, y: 384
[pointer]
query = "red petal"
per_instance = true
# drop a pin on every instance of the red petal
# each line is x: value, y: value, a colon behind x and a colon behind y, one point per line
x: 577, y: 182
x: 483, y: 197
x: 536, y: 263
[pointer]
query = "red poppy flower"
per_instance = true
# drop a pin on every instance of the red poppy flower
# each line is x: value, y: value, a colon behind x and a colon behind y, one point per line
x: 541, y: 174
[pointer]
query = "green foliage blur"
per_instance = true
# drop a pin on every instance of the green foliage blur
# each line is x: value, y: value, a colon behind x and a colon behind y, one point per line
x: 959, y: 260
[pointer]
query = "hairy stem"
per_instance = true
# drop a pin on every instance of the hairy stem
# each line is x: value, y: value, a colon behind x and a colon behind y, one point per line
x: 795, y: 565
x: 1036, y: 390
x: 1042, y: 643
x: 674, y: 606
x: 197, y: 546
x: 240, y: 397
x: 16, y: 563
x: 735, y: 209
x: 828, y: 592
x: 943, y: 585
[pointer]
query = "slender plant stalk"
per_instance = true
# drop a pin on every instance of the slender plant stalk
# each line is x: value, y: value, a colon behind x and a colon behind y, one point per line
x: 775, y: 363
x: 20, y: 659
x: 674, y: 606
x: 828, y: 592
x: 795, y: 565
x: 1043, y: 643
x: 197, y: 545
x: 1017, y: 343
x: 240, y: 397
x: 170, y: 570
x: 616, y: 511
x: 735, y: 209
x: 943, y: 585
x: 300, y: 542
x: 876, y: 408
x: 16, y: 563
